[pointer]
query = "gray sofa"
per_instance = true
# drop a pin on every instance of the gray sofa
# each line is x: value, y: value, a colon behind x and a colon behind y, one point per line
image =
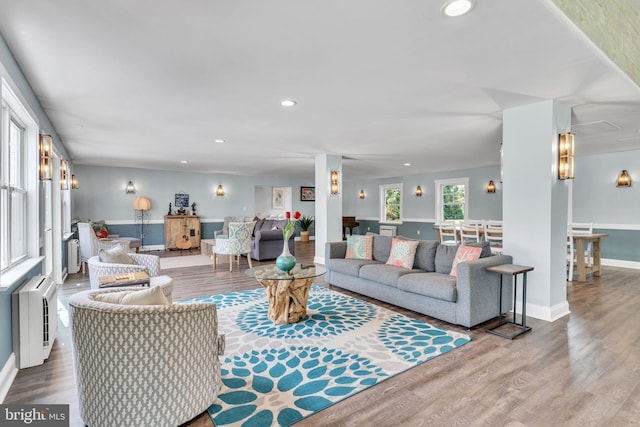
x: 469, y: 299
x: 267, y: 241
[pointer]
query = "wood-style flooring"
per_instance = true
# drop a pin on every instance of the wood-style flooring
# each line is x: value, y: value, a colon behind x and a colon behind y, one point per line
x: 581, y: 370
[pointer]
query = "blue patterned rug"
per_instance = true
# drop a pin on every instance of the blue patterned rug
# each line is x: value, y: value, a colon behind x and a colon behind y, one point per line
x: 275, y: 375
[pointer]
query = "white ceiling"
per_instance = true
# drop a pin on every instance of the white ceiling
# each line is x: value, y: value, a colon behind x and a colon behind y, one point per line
x: 146, y: 84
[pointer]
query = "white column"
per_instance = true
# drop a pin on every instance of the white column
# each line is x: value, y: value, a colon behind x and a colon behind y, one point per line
x: 328, y: 215
x: 535, y: 203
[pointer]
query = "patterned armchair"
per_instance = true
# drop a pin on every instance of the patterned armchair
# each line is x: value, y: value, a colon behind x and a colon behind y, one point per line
x: 238, y: 243
x: 144, y: 365
x: 141, y: 262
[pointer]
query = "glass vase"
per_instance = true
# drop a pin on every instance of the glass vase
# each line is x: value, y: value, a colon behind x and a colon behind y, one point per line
x: 285, y: 260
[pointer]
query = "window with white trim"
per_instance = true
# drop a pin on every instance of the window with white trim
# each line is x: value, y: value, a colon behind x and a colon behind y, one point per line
x: 451, y: 199
x: 391, y: 203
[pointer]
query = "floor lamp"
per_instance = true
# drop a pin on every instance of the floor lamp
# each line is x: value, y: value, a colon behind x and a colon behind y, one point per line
x: 141, y: 204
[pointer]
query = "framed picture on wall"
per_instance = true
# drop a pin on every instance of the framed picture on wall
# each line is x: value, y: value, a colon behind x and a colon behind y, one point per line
x: 307, y: 194
x: 278, y: 198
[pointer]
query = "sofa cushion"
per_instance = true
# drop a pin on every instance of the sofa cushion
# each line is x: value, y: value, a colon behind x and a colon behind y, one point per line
x: 402, y: 253
x: 115, y: 255
x: 444, y: 258
x: 381, y: 247
x: 465, y: 253
x: 350, y: 267
x: 149, y: 296
x: 385, y: 274
x: 433, y: 285
x: 426, y: 255
x: 359, y: 247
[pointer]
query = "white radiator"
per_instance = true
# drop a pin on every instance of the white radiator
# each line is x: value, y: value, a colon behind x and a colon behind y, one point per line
x: 388, y: 230
x: 34, y: 315
x: 73, y: 256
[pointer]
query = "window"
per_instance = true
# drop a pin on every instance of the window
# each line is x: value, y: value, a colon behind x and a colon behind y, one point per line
x: 17, y: 211
x: 391, y: 203
x: 451, y: 199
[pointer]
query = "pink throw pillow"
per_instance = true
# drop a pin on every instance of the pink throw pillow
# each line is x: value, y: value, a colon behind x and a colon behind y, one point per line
x: 465, y: 253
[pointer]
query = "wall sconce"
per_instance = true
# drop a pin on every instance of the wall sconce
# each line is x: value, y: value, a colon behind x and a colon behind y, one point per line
x: 64, y: 169
x: 335, y: 182
x: 220, y: 191
x: 74, y: 182
x: 46, y: 155
x: 491, y: 187
x: 565, y: 156
x: 131, y: 189
x: 418, y: 191
x: 624, y: 180
x: 362, y: 194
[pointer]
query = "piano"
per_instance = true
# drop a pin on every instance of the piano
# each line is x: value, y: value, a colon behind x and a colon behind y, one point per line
x: 350, y: 223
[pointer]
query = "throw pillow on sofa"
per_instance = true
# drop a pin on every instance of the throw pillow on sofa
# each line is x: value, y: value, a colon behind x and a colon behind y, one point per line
x: 359, y: 247
x: 402, y: 253
x: 464, y: 253
x: 115, y: 255
x: 149, y: 296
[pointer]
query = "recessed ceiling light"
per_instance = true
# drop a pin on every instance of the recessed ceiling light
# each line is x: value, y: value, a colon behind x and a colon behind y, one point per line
x: 220, y: 141
x: 455, y: 8
x: 183, y: 161
x: 407, y: 164
x: 288, y: 103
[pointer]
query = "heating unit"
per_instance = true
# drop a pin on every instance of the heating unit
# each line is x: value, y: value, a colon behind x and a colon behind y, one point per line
x: 34, y: 312
x: 388, y: 230
x: 73, y: 256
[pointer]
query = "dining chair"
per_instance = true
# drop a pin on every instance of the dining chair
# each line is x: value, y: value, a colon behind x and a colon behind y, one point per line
x: 238, y: 243
x: 493, y: 235
x: 470, y: 231
x: 448, y: 234
x: 572, y: 229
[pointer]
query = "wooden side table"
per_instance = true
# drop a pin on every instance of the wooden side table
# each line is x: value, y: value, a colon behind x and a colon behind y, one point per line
x: 512, y: 270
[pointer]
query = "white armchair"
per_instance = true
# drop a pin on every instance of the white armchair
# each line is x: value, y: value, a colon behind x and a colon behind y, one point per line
x: 238, y: 243
x: 144, y: 365
x: 141, y: 262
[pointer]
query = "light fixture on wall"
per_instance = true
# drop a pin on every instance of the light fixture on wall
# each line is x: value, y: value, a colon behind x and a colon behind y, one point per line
x: 46, y: 155
x: 624, y: 180
x: 491, y: 187
x: 362, y: 194
x: 566, y: 150
x: 418, y: 191
x: 131, y: 189
x: 64, y: 170
x: 74, y: 182
x: 220, y: 191
x: 140, y: 206
x: 335, y: 182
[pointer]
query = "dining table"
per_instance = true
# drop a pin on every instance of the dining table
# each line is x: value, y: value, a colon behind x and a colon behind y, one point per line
x: 580, y: 241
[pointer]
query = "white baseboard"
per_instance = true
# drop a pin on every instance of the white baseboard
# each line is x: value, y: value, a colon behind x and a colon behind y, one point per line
x: 7, y: 374
x: 620, y: 263
x: 549, y: 314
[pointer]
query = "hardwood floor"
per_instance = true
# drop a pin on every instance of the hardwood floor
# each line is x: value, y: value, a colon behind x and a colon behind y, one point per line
x: 581, y: 370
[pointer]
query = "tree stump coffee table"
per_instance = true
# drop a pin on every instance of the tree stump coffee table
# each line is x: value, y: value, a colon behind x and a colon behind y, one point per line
x: 287, y: 292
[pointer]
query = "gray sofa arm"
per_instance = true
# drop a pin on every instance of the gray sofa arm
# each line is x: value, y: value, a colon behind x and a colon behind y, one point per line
x: 475, y: 283
x: 268, y: 235
x: 335, y: 250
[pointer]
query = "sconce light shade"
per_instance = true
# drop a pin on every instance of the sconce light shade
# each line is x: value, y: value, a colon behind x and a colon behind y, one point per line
x: 64, y: 168
x: 335, y: 182
x: 74, y: 182
x: 491, y: 187
x: 418, y: 191
x: 141, y: 204
x: 46, y: 156
x: 131, y: 189
x: 565, y: 156
x: 624, y: 180
x: 220, y: 190
x: 362, y: 194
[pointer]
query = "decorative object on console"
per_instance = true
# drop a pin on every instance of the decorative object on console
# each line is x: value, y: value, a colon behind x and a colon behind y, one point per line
x: 624, y: 180
x: 418, y: 191
x: 491, y: 187
x: 130, y: 189
x: 74, y: 182
x: 286, y: 261
x: 566, y: 152
x: 335, y: 182
x: 46, y: 156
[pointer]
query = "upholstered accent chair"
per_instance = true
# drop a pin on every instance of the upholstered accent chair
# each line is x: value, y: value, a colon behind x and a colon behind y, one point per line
x: 90, y: 244
x: 144, y: 365
x: 238, y: 243
x: 140, y: 262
